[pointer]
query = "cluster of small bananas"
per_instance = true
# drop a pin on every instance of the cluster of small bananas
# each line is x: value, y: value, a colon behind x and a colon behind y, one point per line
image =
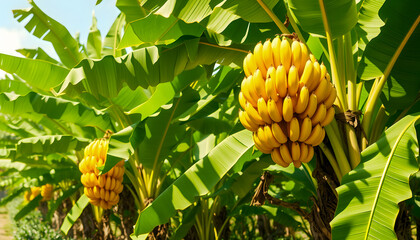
x: 102, y: 190
x: 287, y: 99
x: 46, y: 192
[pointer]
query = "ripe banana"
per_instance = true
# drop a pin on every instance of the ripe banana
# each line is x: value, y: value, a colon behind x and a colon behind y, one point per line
x: 278, y: 133
x: 312, y: 57
x: 259, y: 84
x: 303, y: 152
x: 285, y: 154
x: 320, y: 138
x: 266, y: 144
x: 293, y: 129
x: 273, y: 111
x: 242, y: 100
x: 311, y: 108
x: 276, y: 157
x: 275, y: 46
x: 287, y: 109
x: 310, y: 155
x: 268, y: 54
x: 329, y: 116
x: 321, y: 91
x: 295, y: 151
x: 305, y: 129
x: 270, y: 87
x: 331, y: 97
x: 319, y: 115
x: 316, y: 132
x: 250, y: 64
x: 251, y: 126
x: 304, y: 57
x: 281, y: 81
x: 279, y: 105
x: 293, y: 81
x: 315, y: 76
x: 253, y: 115
x: 323, y: 70
x: 296, y: 54
x: 252, y: 91
x: 259, y: 145
x: 297, y: 164
x: 306, y: 77
x: 259, y: 59
x: 246, y: 92
x: 263, y: 111
x: 285, y: 54
x: 303, y: 100
x: 249, y: 120
x: 270, y: 137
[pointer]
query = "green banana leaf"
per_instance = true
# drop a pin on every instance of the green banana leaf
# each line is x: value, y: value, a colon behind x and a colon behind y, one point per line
x: 28, y: 208
x: 402, y: 85
x: 37, y: 53
x: 46, y: 28
x: 94, y: 41
x: 369, y: 194
x: 341, y: 16
x: 113, y: 37
x: 198, y: 180
x: 39, y: 74
x: 74, y: 214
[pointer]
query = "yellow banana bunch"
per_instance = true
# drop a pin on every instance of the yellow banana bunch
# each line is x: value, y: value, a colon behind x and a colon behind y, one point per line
x: 287, y: 99
x: 103, y: 190
x: 47, y: 192
x: 33, y: 193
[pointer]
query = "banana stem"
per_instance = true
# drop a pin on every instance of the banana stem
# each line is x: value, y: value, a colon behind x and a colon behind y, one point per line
x: 337, y: 146
x: 350, y: 71
x: 276, y: 20
x: 332, y: 161
x: 378, y: 127
x: 353, y: 146
x: 294, y: 25
x: 359, y: 88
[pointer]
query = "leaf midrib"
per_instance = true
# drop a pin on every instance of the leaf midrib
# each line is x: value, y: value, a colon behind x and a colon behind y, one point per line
x: 381, y: 182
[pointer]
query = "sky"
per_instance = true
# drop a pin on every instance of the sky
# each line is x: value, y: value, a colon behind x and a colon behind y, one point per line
x: 75, y: 15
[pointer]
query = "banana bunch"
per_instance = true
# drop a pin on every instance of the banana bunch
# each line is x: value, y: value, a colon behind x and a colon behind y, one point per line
x: 102, y: 190
x: 46, y: 192
x: 287, y: 99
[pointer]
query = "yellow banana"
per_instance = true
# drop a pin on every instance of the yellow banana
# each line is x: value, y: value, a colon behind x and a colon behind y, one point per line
x: 281, y: 81
x: 302, y: 100
x: 276, y: 157
x: 323, y: 70
x: 259, y: 145
x: 319, y: 115
x: 293, y: 129
x: 263, y: 111
x: 113, y: 184
x: 102, y: 191
x: 251, y: 88
x: 242, y: 100
x: 316, y: 132
x: 304, y: 57
x: 285, y: 54
x: 270, y: 87
x: 303, y: 152
x: 259, y: 84
x: 279, y: 105
x: 259, y: 59
x: 329, y: 116
x: 273, y: 111
x: 296, y: 54
x: 108, y: 183
x: 250, y: 64
x: 265, y: 144
x: 106, y: 196
x: 312, y: 57
x: 278, y: 133
x: 97, y: 192
x: 285, y: 154
x: 295, y: 151
x: 306, y: 77
x: 293, y: 81
x: 305, y: 129
x: 331, y: 97
x: 253, y: 115
x: 245, y: 89
x: 287, y: 109
x: 270, y: 137
x: 315, y: 76
x: 251, y: 126
x: 311, y: 108
x: 249, y: 120
x: 310, y: 155
x: 275, y: 46
x: 101, y: 181
x: 297, y: 164
x: 320, y: 138
x: 321, y: 91
x: 268, y: 54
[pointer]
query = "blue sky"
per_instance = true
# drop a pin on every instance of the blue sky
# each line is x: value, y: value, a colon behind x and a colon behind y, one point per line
x: 75, y: 15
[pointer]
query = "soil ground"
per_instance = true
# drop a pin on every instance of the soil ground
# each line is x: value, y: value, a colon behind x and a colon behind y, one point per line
x: 5, y: 226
